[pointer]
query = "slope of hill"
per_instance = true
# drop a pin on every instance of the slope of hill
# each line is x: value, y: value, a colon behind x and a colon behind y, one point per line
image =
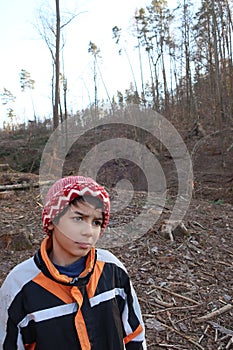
x: 184, y: 287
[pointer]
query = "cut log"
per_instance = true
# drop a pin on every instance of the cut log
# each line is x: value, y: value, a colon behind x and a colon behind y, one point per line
x: 24, y: 185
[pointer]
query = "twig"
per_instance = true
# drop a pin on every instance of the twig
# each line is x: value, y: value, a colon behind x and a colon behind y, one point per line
x: 228, y: 251
x: 195, y: 223
x: 169, y: 346
x: 175, y: 294
x: 171, y: 321
x: 223, y: 263
x: 215, y: 335
x: 223, y: 338
x: 196, y: 249
x: 156, y: 303
x: 163, y: 303
x: 176, y: 308
x: 229, y: 343
x: 218, y: 312
x: 204, y: 333
x: 183, y: 336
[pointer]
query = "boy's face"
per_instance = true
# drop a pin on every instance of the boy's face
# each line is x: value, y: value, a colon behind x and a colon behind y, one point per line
x: 76, y: 233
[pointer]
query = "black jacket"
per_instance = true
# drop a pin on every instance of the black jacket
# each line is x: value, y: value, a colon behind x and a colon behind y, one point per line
x: 41, y: 309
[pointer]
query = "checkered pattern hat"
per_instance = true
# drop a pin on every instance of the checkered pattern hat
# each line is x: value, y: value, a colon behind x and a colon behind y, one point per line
x: 62, y: 193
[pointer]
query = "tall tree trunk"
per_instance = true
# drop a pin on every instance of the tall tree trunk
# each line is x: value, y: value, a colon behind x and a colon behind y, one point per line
x: 218, y: 86
x: 57, y: 68
x: 230, y: 59
x: 188, y: 78
x: 166, y: 96
x: 95, y: 86
x: 140, y: 64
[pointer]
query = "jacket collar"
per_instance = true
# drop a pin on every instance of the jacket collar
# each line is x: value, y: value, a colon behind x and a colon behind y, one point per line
x: 46, y: 266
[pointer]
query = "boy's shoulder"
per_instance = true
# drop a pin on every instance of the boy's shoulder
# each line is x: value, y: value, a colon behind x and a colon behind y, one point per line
x: 25, y: 265
x: 106, y: 256
x: 21, y: 274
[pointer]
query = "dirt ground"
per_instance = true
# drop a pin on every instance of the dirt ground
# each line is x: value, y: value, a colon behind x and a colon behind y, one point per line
x: 185, y: 286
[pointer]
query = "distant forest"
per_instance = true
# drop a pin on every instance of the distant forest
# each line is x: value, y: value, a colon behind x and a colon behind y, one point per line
x: 187, y: 52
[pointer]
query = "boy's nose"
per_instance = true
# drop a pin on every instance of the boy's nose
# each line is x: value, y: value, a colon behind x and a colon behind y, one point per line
x: 87, y: 228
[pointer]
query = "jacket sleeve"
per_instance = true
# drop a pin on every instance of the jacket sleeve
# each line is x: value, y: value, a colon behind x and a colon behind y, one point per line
x: 11, y: 305
x: 135, y: 346
x: 3, y: 318
x: 10, y: 337
x: 133, y: 324
x: 128, y: 305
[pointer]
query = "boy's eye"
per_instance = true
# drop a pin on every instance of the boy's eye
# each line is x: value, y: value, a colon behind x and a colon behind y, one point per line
x: 97, y: 223
x: 77, y: 218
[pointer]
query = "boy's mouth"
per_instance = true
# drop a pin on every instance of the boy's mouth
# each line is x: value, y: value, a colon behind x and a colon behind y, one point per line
x: 83, y: 245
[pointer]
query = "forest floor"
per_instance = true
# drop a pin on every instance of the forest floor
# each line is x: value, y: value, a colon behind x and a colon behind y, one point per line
x: 185, y: 287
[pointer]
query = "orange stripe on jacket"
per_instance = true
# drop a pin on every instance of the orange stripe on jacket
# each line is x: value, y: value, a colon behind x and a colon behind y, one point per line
x: 79, y: 321
x: 89, y: 263
x: 30, y: 346
x: 94, y: 280
x: 61, y: 291
x: 133, y: 335
x: 45, y: 245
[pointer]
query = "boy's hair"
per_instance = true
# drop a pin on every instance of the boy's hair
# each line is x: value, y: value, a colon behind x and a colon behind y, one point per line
x: 95, y: 201
x: 64, y: 191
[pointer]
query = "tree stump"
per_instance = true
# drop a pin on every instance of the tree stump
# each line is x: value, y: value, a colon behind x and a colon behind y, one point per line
x: 15, y: 241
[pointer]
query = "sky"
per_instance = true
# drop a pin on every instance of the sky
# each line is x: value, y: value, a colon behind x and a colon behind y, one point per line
x: 23, y: 48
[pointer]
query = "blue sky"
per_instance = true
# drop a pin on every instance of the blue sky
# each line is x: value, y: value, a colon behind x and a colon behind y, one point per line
x: 23, y: 48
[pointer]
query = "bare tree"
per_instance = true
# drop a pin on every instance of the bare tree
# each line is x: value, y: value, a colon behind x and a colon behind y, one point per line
x: 142, y: 34
x: 27, y: 83
x: 95, y: 51
x: 8, y: 99
x: 116, y: 31
x: 153, y: 32
x: 50, y: 30
x: 57, y: 66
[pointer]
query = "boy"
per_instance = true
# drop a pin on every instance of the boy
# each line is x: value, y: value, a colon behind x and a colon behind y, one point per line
x: 70, y: 295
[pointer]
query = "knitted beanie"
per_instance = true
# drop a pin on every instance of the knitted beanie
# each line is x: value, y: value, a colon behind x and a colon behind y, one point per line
x: 65, y: 190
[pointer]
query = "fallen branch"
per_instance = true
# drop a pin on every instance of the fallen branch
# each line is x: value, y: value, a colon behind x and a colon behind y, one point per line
x: 175, y: 294
x: 178, y: 308
x: 24, y: 185
x: 215, y: 313
x: 169, y: 346
x: 18, y: 186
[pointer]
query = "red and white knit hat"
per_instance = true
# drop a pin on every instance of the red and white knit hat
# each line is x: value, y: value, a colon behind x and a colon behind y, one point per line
x: 62, y: 193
